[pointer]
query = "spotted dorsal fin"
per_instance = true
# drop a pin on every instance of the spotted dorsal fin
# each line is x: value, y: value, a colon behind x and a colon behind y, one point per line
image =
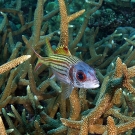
x: 62, y: 50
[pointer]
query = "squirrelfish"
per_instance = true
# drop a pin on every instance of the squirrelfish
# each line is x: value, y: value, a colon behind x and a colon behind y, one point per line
x: 68, y: 69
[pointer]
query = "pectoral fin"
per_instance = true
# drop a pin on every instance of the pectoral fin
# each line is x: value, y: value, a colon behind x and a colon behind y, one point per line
x: 66, y: 90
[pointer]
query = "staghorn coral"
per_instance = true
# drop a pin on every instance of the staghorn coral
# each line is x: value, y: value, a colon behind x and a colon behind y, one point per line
x: 104, y: 105
x: 5, y: 67
x: 2, y: 128
x: 13, y: 63
x: 31, y: 102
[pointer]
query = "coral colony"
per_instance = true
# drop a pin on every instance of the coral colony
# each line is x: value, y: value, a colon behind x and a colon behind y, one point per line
x: 67, y: 67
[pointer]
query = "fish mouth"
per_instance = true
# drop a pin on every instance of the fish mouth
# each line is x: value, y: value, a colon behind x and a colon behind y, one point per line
x: 95, y: 84
x: 91, y: 85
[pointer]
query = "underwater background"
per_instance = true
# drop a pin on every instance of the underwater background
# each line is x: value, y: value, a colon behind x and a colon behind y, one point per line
x: 31, y: 102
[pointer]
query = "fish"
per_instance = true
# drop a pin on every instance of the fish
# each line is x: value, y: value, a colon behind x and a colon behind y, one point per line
x: 68, y: 69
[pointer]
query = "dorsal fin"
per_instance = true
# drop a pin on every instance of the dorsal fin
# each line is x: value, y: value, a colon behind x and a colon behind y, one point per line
x: 62, y: 50
x: 48, y: 48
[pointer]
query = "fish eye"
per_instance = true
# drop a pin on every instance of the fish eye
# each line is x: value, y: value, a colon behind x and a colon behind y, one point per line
x: 81, y: 76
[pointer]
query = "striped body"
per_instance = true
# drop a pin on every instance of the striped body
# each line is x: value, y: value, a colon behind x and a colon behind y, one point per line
x: 60, y: 65
x: 71, y: 70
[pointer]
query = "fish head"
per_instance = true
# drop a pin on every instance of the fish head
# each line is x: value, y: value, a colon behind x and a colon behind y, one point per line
x: 83, y: 76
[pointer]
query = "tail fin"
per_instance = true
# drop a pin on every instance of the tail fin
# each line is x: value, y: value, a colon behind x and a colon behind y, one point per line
x: 40, y: 58
x: 39, y: 62
x: 36, y: 53
x: 38, y: 65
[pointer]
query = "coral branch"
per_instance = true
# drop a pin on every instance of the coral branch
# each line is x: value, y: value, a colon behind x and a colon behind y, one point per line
x: 11, y: 64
